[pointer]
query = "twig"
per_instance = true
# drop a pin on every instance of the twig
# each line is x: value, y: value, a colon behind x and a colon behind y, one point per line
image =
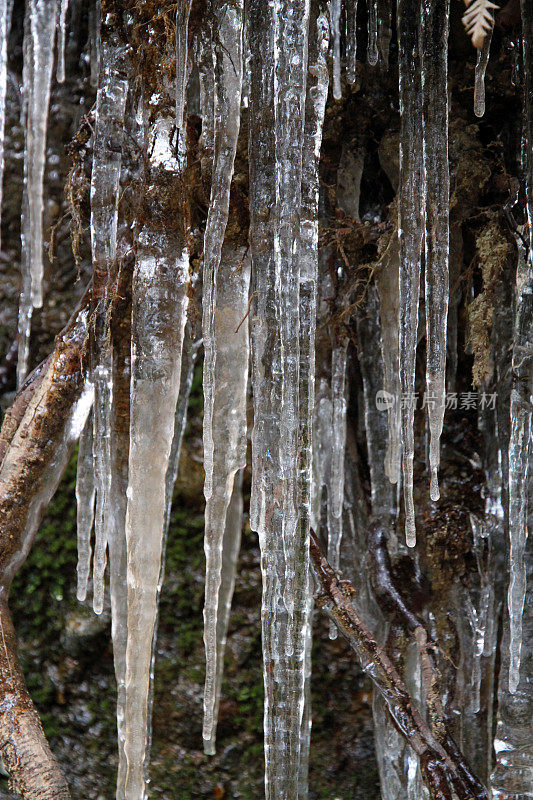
x: 440, y: 771
x: 394, y: 607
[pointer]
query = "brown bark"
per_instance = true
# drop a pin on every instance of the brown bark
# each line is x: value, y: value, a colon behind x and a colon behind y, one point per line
x: 34, y: 449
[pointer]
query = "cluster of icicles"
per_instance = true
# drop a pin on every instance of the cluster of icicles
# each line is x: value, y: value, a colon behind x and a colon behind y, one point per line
x: 285, y: 45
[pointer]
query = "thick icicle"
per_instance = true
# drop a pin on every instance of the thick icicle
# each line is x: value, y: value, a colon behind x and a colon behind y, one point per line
x: 107, y: 157
x: 159, y: 311
x: 225, y: 347
x: 519, y: 451
x: 336, y: 475
x: 435, y: 23
x: 182, y: 54
x: 410, y: 232
x: 335, y: 15
x: 513, y: 744
x: 372, y: 53
x: 278, y: 33
x: 61, y: 37
x: 227, y: 98
x: 191, y: 345
x: 228, y: 377
x: 519, y: 443
x: 85, y: 493
x: 481, y: 68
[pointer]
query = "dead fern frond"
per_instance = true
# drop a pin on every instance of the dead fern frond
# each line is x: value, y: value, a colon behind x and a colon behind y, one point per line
x: 478, y: 20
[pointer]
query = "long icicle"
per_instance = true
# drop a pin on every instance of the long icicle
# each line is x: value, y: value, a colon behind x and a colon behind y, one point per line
x: 279, y: 34
x: 317, y: 92
x: 410, y: 233
x: 43, y: 14
x: 6, y: 7
x: 339, y: 355
x: 228, y: 386
x: 110, y: 111
x: 159, y: 313
x: 519, y: 443
x: 121, y: 337
x: 435, y: 17
x: 219, y: 328
x: 39, y: 35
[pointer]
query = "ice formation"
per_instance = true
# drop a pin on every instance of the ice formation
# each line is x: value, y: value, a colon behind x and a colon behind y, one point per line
x: 435, y: 20
x: 109, y: 125
x: 39, y: 25
x: 273, y: 294
x: 410, y: 232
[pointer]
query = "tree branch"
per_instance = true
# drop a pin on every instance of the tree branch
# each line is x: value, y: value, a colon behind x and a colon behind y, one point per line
x: 36, y: 440
x: 440, y: 771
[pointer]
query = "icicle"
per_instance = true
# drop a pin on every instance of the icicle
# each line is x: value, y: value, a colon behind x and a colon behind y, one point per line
x: 351, y: 41
x: 5, y: 25
x: 24, y: 315
x: 384, y: 30
x: 372, y: 53
x: 228, y: 378
x: 335, y: 14
x: 336, y: 477
x: 481, y: 68
x: 387, y: 287
x: 410, y: 233
x: 95, y: 40
x: 182, y: 54
x: 190, y: 349
x: 521, y: 394
x: 435, y: 23
x: 204, y: 57
x: 227, y: 98
x: 376, y: 424
x: 42, y: 26
x: 38, y: 50
x: 317, y: 92
x: 63, y: 9
x: 230, y: 553
x: 85, y: 493
x: 226, y: 350
x: 279, y: 38
x: 518, y: 472
x: 159, y: 313
x: 110, y: 110
x: 307, y: 716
